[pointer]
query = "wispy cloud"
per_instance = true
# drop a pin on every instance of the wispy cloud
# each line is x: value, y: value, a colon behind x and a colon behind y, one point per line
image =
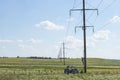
x: 29, y: 50
x: 115, y: 19
x: 21, y: 46
x: 21, y: 41
x: 71, y: 19
x: 73, y: 42
x: 25, y: 46
x: 34, y: 41
x: 49, y: 25
x: 118, y: 47
x: 101, y: 35
x: 6, y: 41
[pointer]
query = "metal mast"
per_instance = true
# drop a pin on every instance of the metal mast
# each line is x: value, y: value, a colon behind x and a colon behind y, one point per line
x: 84, y: 31
x: 84, y: 35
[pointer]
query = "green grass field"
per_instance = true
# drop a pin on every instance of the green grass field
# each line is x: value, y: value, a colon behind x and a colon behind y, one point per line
x: 52, y: 69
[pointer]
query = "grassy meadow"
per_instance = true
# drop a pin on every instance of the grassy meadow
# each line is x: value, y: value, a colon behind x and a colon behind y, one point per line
x: 52, y: 69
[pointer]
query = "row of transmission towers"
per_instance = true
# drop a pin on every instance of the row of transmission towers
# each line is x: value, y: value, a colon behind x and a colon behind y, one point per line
x: 61, y: 54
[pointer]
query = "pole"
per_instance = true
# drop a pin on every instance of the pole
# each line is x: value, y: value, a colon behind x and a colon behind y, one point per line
x: 84, y: 35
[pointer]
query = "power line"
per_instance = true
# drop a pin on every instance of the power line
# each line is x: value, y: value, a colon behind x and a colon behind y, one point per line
x: 103, y: 9
x: 97, y: 8
x: 74, y: 4
x: 99, y: 3
x: 70, y: 19
x: 93, y: 11
x: 105, y: 25
x: 109, y: 5
x: 108, y: 23
x: 90, y: 4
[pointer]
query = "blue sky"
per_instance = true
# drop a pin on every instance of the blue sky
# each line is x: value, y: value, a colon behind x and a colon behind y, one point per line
x: 38, y: 27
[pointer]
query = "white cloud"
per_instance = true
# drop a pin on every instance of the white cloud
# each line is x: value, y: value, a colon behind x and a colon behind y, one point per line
x: 10, y: 41
x: 6, y: 41
x: 72, y: 42
x: 21, y: 46
x: 71, y: 19
x: 25, y: 47
x: 90, y: 43
x: 118, y: 47
x: 34, y: 41
x: 101, y: 35
x: 21, y: 41
x: 115, y: 19
x: 49, y: 25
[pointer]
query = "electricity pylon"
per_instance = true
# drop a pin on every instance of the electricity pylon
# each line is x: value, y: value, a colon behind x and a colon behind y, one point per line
x: 84, y: 31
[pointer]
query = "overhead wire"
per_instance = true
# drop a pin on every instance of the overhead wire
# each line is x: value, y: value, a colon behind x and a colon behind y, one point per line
x: 93, y: 13
x: 105, y: 25
x: 108, y: 23
x: 99, y: 3
x: 70, y: 18
x: 96, y: 8
x: 109, y: 5
x: 68, y: 24
x: 74, y: 4
x: 77, y: 4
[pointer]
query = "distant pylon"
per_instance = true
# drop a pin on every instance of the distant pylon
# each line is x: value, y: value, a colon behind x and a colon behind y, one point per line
x: 64, y: 52
x: 60, y: 53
